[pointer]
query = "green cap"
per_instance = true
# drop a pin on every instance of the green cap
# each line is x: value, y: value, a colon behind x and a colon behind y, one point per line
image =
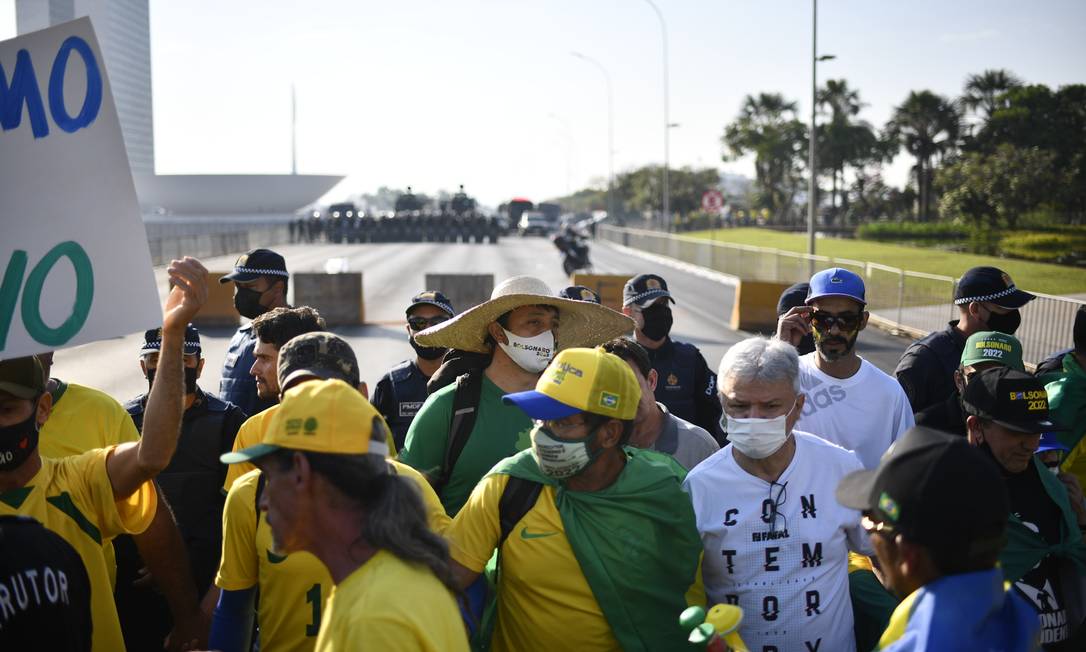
x: 993, y: 346
x: 22, y: 377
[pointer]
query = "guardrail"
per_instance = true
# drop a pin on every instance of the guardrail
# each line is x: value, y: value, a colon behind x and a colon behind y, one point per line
x: 911, y: 303
x: 206, y: 238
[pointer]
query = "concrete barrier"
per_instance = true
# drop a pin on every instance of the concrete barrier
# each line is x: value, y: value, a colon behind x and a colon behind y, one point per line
x: 755, y: 306
x: 608, y: 286
x: 338, y: 297
x: 463, y: 290
x: 219, y: 309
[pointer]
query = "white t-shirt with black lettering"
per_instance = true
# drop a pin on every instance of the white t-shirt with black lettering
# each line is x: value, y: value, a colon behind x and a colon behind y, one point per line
x: 786, y: 567
x: 864, y: 413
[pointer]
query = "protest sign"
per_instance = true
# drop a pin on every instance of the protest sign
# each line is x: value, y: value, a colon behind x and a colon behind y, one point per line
x: 73, y: 250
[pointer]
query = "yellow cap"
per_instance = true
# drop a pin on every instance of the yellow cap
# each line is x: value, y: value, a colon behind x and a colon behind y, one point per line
x: 325, y: 416
x: 582, y: 380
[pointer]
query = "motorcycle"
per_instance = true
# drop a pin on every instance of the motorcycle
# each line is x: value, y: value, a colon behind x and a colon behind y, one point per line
x: 574, y: 250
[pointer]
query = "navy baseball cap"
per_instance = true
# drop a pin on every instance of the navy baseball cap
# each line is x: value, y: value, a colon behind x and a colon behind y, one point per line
x: 152, y: 341
x: 257, y: 264
x: 990, y: 284
x: 579, y: 293
x: 432, y: 298
x: 836, y: 282
x: 793, y: 297
x: 643, y: 289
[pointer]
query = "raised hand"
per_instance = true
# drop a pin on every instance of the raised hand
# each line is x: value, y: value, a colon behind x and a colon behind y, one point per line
x: 188, y: 293
x: 794, y: 324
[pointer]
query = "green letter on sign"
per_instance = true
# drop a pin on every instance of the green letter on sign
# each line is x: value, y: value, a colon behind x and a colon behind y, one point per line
x: 84, y: 295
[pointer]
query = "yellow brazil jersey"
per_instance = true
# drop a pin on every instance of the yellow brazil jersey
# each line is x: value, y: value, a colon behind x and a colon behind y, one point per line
x: 73, y: 497
x: 293, y: 588
x: 252, y: 433
x: 390, y: 604
x: 84, y: 418
x: 544, y: 601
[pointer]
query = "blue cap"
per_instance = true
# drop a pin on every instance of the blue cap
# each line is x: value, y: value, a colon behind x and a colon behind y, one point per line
x: 538, y: 405
x: 1050, y: 442
x: 836, y: 282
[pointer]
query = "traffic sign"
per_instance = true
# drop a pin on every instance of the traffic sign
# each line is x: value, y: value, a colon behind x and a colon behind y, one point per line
x: 712, y: 201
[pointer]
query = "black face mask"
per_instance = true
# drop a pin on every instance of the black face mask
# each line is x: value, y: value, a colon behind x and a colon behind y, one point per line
x: 658, y: 321
x: 190, y: 380
x: 1007, y: 323
x: 247, y: 303
x: 427, y: 352
x: 18, y: 441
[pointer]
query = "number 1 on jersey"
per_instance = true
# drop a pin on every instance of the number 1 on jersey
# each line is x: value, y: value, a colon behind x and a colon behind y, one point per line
x: 313, y: 596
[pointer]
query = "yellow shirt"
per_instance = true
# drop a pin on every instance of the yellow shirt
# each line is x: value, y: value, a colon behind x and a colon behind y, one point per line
x: 84, y: 418
x: 252, y: 433
x: 294, y: 587
x: 390, y: 604
x: 73, y: 497
x: 544, y: 601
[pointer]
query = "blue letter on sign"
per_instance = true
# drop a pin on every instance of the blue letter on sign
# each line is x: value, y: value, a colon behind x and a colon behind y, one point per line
x: 93, y: 99
x: 23, y: 90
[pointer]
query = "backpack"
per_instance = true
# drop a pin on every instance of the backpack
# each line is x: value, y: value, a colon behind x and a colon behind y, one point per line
x: 469, y: 390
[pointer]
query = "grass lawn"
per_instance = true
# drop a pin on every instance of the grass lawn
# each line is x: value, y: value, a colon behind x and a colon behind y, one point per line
x: 1039, y: 277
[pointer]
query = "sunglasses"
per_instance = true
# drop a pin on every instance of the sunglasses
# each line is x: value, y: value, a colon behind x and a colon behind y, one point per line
x: 846, y: 321
x: 422, y: 323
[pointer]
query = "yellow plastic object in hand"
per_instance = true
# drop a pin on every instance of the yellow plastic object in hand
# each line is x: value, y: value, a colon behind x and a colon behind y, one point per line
x: 725, y: 618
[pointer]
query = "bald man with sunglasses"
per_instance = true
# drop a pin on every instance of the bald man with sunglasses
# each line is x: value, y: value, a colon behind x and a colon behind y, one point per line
x: 850, y: 402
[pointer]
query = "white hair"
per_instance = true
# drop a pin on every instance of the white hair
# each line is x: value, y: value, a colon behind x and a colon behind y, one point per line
x: 762, y: 359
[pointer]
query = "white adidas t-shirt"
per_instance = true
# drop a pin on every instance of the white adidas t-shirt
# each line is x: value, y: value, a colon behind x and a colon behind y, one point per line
x: 791, y: 580
x: 865, y: 413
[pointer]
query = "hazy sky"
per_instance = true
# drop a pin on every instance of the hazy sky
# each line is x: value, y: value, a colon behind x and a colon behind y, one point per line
x: 435, y: 93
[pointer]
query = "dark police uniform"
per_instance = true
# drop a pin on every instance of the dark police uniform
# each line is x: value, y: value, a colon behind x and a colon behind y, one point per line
x: 192, y: 486
x: 686, y: 385
x: 399, y: 395
x: 926, y: 369
x: 237, y: 386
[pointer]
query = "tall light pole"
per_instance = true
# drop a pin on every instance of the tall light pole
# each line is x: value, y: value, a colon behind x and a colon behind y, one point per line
x: 812, y: 179
x: 568, y: 135
x: 667, y: 118
x: 610, y: 132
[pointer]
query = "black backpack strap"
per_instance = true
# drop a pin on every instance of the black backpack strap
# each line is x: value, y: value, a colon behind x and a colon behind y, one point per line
x: 518, y: 498
x: 469, y: 389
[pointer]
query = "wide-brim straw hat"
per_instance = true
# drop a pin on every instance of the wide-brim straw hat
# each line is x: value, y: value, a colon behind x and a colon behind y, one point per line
x: 581, y: 323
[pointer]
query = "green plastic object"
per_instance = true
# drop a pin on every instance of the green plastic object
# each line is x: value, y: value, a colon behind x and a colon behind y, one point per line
x: 691, y: 617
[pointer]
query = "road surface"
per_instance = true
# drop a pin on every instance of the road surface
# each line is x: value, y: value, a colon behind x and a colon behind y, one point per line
x: 392, y: 273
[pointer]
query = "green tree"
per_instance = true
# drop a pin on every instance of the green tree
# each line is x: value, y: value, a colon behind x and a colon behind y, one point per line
x: 768, y: 128
x: 984, y: 93
x: 639, y: 190
x: 927, y: 126
x: 993, y: 190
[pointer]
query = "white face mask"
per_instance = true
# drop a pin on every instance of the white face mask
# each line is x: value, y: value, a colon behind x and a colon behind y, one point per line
x: 557, y: 458
x: 757, y: 438
x: 531, y: 354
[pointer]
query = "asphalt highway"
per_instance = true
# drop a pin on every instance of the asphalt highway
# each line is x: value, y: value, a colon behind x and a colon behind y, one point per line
x: 392, y: 273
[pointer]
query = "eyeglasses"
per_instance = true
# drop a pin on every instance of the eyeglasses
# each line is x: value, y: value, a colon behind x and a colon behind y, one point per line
x: 878, y: 527
x: 422, y: 323
x: 846, y: 321
x: 782, y: 496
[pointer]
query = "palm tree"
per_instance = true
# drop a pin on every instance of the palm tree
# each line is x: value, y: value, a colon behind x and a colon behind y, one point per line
x: 767, y: 127
x: 927, y: 126
x: 841, y: 141
x: 982, y: 93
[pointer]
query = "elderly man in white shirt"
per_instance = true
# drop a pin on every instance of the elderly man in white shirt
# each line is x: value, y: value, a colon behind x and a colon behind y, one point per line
x: 776, y: 539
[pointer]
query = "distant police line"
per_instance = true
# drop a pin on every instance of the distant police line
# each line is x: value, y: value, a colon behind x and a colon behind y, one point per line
x: 24, y: 90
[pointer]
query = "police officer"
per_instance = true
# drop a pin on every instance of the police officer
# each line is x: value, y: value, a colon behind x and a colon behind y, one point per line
x: 402, y: 391
x: 987, y: 300
x: 192, y: 486
x: 686, y: 386
x: 260, y: 283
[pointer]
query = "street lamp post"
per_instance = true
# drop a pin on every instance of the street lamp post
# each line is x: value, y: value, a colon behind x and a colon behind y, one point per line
x: 812, y: 148
x: 667, y: 117
x: 568, y: 136
x: 610, y: 132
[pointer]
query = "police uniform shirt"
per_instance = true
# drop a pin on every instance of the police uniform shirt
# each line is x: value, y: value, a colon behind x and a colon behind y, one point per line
x: 686, y: 385
x: 926, y: 369
x: 398, y: 396
x: 237, y: 386
x: 780, y: 550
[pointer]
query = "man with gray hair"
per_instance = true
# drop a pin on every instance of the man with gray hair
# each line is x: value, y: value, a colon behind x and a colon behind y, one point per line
x: 776, y: 542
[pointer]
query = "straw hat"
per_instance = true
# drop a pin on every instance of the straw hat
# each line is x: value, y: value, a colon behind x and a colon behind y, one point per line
x: 582, y: 324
